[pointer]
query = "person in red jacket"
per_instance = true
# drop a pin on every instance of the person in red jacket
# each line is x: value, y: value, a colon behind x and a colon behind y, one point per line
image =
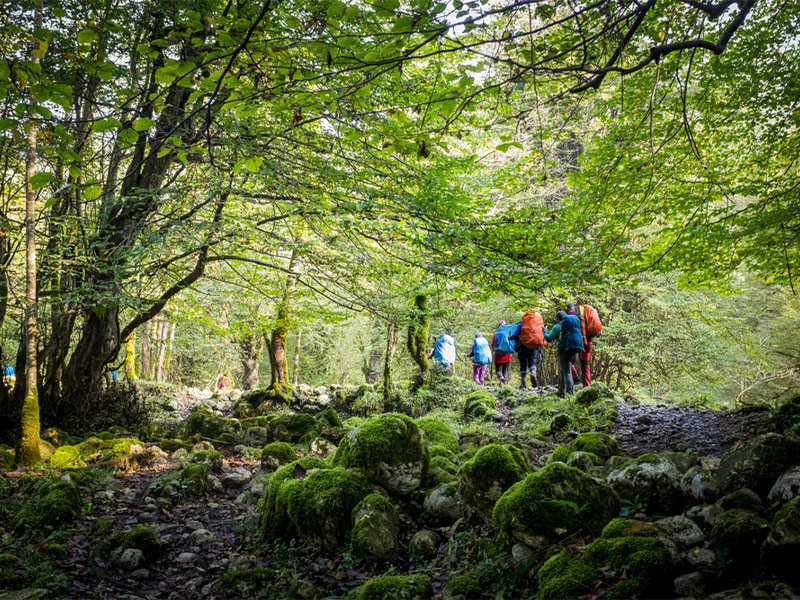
x: 501, y: 361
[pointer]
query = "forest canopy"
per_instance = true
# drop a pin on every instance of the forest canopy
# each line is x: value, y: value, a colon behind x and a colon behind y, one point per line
x: 254, y: 170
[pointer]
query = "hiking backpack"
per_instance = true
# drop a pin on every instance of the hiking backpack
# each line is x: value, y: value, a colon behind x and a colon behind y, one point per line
x: 532, y: 333
x: 481, y: 353
x: 590, y: 320
x: 571, y: 332
x: 503, y: 344
x: 445, y: 351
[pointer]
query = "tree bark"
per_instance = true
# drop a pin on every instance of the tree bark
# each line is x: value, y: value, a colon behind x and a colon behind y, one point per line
x: 29, y: 444
x: 130, y: 356
x: 277, y: 342
x: 392, y: 337
x: 146, y: 350
x: 296, y: 365
x: 418, y: 335
x: 251, y: 349
x: 168, y: 354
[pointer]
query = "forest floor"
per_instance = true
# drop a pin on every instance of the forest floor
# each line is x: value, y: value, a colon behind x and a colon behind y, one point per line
x: 205, y: 538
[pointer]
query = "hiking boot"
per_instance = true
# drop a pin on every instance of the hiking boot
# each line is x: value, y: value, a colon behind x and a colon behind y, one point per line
x: 523, y: 385
x: 534, y: 382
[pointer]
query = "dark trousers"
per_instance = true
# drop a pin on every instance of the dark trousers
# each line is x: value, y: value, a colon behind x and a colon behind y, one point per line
x: 502, y: 372
x: 565, y: 383
x: 527, y: 362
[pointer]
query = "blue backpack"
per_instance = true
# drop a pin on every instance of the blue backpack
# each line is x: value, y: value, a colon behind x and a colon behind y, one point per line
x: 481, y: 353
x: 503, y: 342
x: 445, y: 351
x: 572, y: 337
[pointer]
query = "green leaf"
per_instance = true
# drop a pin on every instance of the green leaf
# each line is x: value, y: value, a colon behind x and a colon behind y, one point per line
x: 51, y: 201
x: 75, y: 171
x: 129, y: 136
x: 42, y: 179
x: 92, y: 192
x: 253, y: 164
x: 143, y: 124
x: 106, y: 124
x: 86, y: 36
x: 8, y: 123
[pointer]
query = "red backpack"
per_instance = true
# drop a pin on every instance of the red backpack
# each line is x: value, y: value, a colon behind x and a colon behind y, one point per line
x: 532, y: 333
x: 590, y: 320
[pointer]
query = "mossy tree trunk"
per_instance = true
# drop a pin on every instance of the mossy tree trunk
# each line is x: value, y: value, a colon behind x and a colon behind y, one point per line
x: 418, y: 335
x: 392, y: 337
x: 29, y: 444
x: 279, y: 369
x: 130, y: 356
x: 251, y: 349
x: 296, y: 365
x: 146, y: 350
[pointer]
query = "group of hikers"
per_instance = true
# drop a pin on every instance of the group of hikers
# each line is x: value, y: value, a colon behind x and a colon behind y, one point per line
x: 574, y: 331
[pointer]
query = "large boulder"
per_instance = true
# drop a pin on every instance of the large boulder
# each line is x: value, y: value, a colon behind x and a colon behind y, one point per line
x: 628, y: 560
x: 699, y: 485
x: 397, y: 587
x: 742, y: 499
x: 209, y: 425
x: 276, y: 454
x: 438, y: 433
x: 479, y: 404
x: 786, y: 487
x: 596, y: 444
x: 389, y: 450
x: 376, y: 525
x: 653, y: 477
x: 757, y: 463
x: 315, y: 506
x: 553, y: 503
x: 61, y: 503
x: 739, y: 534
x: 782, y: 546
x: 445, y: 503
x: 489, y: 473
x: 292, y: 428
x: 592, y: 394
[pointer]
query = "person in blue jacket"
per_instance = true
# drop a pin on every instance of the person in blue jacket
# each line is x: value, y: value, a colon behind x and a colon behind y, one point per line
x: 570, y: 342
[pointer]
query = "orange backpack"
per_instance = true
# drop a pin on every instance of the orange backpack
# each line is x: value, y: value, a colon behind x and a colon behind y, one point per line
x: 532, y: 333
x: 591, y: 320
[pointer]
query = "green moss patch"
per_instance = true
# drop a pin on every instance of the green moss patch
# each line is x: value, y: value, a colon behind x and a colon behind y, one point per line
x: 438, y: 433
x: 397, y: 587
x: 489, y: 473
x: 479, y: 404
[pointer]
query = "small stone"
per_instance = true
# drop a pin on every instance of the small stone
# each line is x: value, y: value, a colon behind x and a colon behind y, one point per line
x: 681, y: 530
x: 786, y: 487
x: 520, y: 553
x: 236, y: 478
x: 179, y: 454
x: 184, y: 558
x: 141, y: 574
x: 131, y: 559
x: 690, y: 585
x: 701, y: 558
x: 323, y: 400
x: 104, y: 496
x: 194, y: 525
x: 147, y: 517
x: 201, y: 536
x: 424, y: 544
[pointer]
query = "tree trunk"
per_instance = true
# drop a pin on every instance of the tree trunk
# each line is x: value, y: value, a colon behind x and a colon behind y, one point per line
x: 251, y: 349
x: 168, y: 353
x: 130, y: 356
x: 296, y: 365
x: 277, y: 342
x: 371, y: 365
x: 392, y: 337
x: 146, y: 350
x: 418, y: 336
x: 29, y: 444
x: 163, y: 335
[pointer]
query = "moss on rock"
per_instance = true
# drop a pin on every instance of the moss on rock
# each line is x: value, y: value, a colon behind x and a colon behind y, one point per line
x: 9, y: 577
x: 552, y: 503
x: 375, y: 530
x: 438, y: 433
x: 634, y: 566
x: 397, y: 587
x: 328, y: 419
x: 292, y: 428
x: 144, y: 539
x: 479, y: 404
x: 317, y: 507
x: 248, y: 582
x: 208, y: 425
x: 61, y: 503
x: 465, y: 586
x: 276, y: 454
x: 653, y: 477
x: 389, y: 450
x: 739, y: 534
x: 488, y: 474
x: 195, y: 479
x: 210, y: 458
x: 592, y: 394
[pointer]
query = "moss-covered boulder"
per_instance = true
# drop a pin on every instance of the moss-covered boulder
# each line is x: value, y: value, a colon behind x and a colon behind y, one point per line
x: 248, y: 583
x: 10, y: 565
x: 653, y: 477
x: 463, y: 587
x: 441, y: 470
x: 553, y: 503
x: 436, y: 450
x: 208, y: 425
x: 315, y: 506
x: 376, y: 526
x: 328, y: 419
x: 389, y: 450
x: 58, y: 437
x: 699, y: 485
x: 61, y: 503
x: 757, y: 463
x: 600, y: 445
x: 743, y: 499
x: 593, y: 394
x: 423, y: 544
x: 292, y: 428
x: 397, y: 587
x: 194, y: 479
x: 445, y: 503
x: 111, y: 452
x: 627, y: 561
x: 739, y: 534
x: 479, y: 404
x: 210, y: 458
x: 438, y: 433
x: 782, y: 546
x: 276, y: 454
x: 7, y: 457
x: 493, y: 469
x: 144, y: 539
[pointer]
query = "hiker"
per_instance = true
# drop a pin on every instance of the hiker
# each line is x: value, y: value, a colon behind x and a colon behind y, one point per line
x: 530, y: 333
x: 444, y: 353
x: 590, y: 328
x: 225, y: 383
x: 503, y: 352
x: 570, y: 342
x: 481, y: 356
